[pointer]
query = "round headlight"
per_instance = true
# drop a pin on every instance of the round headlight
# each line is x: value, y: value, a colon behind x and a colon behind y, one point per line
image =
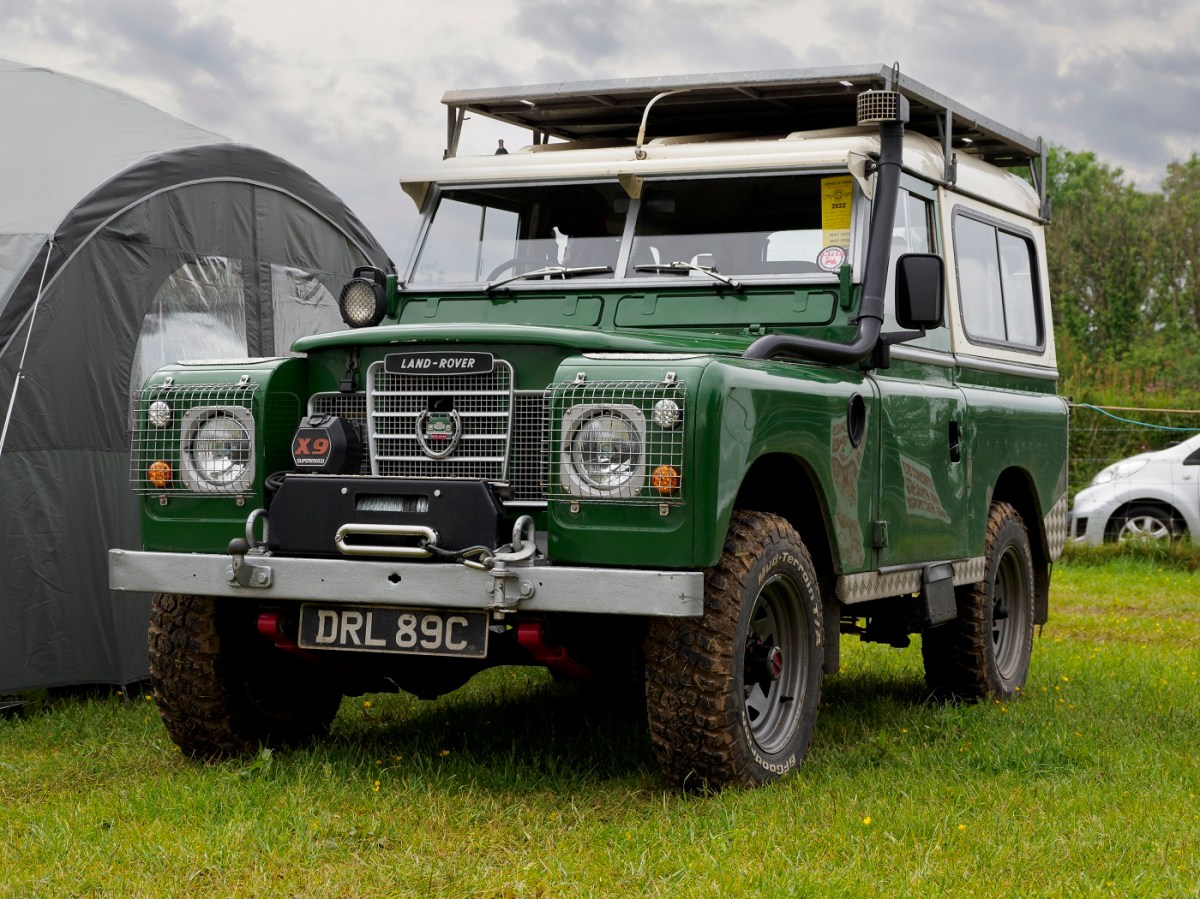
x: 606, y: 450
x: 363, y: 303
x: 220, y: 450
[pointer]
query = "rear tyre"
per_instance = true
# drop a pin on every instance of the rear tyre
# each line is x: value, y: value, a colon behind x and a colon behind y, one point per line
x: 985, y: 651
x: 223, y: 690
x: 1145, y: 523
x: 732, y: 696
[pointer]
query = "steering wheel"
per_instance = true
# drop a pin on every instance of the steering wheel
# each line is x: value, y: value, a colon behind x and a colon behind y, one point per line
x: 533, y: 261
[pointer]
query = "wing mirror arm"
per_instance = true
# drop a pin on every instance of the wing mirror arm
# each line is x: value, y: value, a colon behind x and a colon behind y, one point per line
x: 920, y: 303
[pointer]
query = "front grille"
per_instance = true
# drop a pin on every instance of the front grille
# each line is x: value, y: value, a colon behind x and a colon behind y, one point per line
x: 527, y: 459
x: 500, y: 431
x: 481, y: 404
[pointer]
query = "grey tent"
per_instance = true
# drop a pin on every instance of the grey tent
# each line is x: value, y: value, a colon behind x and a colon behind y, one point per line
x: 128, y: 238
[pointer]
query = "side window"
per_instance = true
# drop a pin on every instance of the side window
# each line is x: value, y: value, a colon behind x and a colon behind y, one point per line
x: 199, y: 312
x: 911, y: 233
x: 996, y: 284
x: 917, y: 231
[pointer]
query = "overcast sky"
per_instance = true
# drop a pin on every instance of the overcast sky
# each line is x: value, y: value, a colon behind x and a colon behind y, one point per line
x: 350, y: 90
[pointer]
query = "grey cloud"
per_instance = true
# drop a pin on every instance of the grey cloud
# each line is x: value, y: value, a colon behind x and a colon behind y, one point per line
x: 1130, y: 106
x: 570, y: 28
x: 206, y: 65
x: 1125, y: 104
x: 635, y: 37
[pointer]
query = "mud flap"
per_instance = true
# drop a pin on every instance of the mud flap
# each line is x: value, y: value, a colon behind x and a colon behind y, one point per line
x: 937, y: 595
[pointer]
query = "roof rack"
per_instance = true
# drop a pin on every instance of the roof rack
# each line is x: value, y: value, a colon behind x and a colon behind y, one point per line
x: 771, y: 102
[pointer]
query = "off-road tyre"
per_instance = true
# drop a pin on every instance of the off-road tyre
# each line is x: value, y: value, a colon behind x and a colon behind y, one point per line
x: 980, y: 653
x: 717, y: 717
x: 223, y: 690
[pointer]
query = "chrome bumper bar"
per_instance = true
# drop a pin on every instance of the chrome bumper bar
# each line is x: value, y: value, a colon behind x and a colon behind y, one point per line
x: 531, y: 588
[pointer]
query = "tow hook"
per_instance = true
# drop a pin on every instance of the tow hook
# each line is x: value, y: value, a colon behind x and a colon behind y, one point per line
x: 246, y: 574
x: 241, y: 573
x: 519, y: 551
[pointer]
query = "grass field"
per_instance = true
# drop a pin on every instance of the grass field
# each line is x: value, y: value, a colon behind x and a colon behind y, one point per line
x: 1087, y: 786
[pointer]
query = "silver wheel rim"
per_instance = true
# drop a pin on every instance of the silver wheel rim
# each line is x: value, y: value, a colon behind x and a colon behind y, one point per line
x: 775, y: 660
x: 1144, y: 527
x: 1010, y: 613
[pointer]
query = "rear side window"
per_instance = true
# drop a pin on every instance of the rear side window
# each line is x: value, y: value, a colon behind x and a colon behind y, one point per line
x: 997, y: 284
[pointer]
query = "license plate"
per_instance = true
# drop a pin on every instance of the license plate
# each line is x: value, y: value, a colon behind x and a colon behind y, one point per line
x: 431, y: 632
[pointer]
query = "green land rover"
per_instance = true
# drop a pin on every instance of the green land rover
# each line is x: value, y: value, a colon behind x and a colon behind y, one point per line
x: 716, y: 369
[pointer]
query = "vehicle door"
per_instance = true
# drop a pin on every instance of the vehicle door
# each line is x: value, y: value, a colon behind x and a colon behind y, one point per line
x: 922, y: 457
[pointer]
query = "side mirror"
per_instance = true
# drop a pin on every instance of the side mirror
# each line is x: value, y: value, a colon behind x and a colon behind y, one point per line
x: 920, y: 291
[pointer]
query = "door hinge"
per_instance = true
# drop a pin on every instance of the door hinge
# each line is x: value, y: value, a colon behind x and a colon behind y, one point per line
x: 879, y: 538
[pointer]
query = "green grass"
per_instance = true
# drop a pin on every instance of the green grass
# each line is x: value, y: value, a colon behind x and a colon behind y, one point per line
x: 1087, y: 786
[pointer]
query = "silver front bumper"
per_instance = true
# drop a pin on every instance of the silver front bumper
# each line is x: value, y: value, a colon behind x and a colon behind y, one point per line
x: 538, y: 588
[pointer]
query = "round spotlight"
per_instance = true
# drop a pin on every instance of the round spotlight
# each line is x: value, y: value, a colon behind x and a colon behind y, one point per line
x: 362, y: 303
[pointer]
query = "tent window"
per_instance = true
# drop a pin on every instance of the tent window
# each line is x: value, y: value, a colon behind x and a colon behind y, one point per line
x: 199, y: 312
x: 302, y: 306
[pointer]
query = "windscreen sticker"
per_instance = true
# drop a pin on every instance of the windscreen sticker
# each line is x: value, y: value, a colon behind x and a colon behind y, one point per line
x: 836, y: 194
x: 830, y: 259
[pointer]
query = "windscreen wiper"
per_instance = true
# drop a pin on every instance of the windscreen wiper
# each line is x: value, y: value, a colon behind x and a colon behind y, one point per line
x: 682, y: 268
x: 551, y: 271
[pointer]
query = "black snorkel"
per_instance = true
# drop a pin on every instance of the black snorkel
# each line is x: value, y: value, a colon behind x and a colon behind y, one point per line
x: 890, y: 110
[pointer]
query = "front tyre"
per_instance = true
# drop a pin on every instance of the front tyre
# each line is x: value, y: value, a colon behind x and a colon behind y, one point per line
x: 221, y: 689
x: 985, y: 651
x: 732, y: 696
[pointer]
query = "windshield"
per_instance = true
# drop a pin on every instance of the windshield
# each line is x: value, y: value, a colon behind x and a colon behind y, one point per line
x: 485, y: 234
x: 685, y: 228
x: 783, y: 225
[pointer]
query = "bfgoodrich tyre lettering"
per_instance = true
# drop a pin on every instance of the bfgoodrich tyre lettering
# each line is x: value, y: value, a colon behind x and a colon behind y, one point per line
x: 732, y: 697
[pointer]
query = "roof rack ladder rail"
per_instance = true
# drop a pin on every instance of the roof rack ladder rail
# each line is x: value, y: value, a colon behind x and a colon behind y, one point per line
x: 949, y: 160
x: 455, y: 116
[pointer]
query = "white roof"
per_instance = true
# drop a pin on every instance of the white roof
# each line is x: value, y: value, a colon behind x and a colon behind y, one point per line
x: 64, y: 136
x: 680, y: 156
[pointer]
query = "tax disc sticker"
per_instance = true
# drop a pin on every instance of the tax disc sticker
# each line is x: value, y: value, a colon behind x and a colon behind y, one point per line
x: 830, y: 259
